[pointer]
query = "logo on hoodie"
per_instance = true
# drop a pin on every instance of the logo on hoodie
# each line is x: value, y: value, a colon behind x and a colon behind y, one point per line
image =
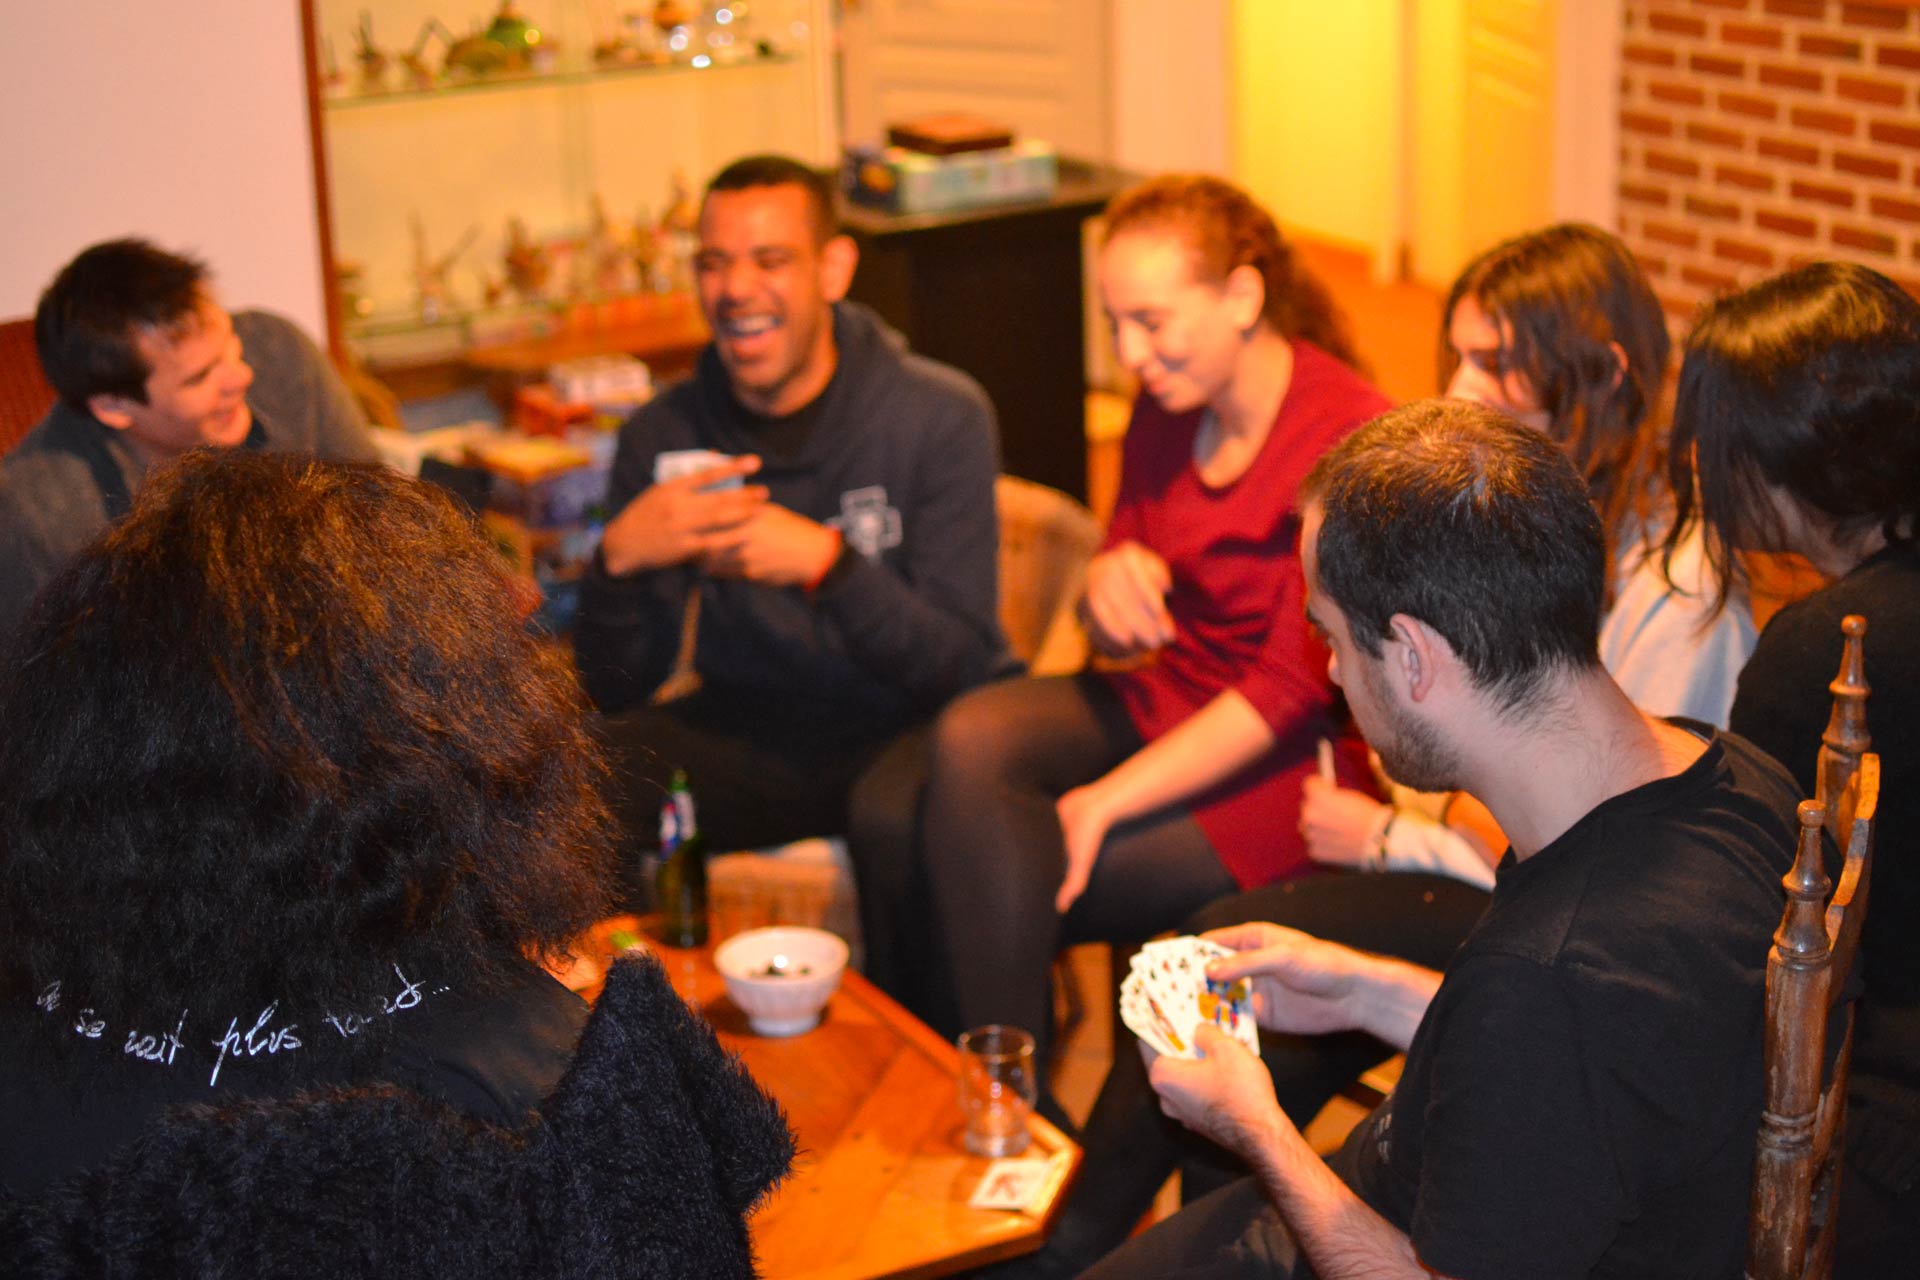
x: 869, y: 525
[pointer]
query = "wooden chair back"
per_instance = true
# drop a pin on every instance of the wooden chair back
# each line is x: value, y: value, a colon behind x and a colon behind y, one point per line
x: 1797, y: 1163
x: 1046, y: 540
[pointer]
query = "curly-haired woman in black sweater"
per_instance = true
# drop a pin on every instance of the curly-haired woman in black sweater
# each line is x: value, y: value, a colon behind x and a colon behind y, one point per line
x: 287, y: 797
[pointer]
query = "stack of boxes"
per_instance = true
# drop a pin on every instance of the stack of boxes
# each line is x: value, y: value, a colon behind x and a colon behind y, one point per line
x: 940, y: 164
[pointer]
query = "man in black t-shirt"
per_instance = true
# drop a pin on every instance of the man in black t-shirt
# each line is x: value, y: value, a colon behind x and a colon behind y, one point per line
x: 1583, y: 1086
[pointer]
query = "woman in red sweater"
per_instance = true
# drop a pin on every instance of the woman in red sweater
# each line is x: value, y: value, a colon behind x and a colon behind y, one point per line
x: 1109, y: 805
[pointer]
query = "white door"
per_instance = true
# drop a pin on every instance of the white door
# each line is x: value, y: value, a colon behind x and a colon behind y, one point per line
x: 1508, y: 106
x: 1514, y: 123
x: 1038, y: 66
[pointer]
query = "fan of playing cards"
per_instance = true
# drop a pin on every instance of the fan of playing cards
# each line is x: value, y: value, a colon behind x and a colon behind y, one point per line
x: 1168, y: 994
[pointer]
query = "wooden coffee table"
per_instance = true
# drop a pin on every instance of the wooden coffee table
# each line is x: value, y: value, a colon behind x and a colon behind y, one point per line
x: 881, y: 1184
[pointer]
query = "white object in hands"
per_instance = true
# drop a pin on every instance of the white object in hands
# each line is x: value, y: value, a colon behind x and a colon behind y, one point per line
x: 781, y: 977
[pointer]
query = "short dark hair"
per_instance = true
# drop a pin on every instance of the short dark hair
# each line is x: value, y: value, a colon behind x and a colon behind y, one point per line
x: 277, y: 732
x: 1808, y: 382
x: 748, y: 172
x: 1564, y: 294
x: 88, y: 319
x: 1453, y: 513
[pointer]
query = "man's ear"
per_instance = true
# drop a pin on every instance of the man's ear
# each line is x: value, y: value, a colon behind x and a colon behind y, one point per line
x: 112, y: 410
x: 1619, y: 363
x: 838, y: 258
x: 1417, y: 654
x: 1246, y: 292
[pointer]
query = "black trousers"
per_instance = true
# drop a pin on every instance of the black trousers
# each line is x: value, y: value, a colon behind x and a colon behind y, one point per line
x: 762, y: 770
x: 1231, y: 1234
x: 992, y: 853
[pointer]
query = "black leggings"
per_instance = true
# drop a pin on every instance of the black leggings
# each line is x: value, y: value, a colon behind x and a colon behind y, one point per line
x: 1131, y: 1146
x: 993, y: 852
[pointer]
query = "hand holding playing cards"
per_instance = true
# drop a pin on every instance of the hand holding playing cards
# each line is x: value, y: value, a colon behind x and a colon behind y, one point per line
x: 679, y: 518
x: 774, y: 546
x: 1168, y: 996
x: 1304, y: 985
x: 1339, y: 824
x: 1224, y: 1094
x: 1300, y: 983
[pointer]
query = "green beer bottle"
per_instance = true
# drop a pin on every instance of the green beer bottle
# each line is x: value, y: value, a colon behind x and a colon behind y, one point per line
x: 681, y: 882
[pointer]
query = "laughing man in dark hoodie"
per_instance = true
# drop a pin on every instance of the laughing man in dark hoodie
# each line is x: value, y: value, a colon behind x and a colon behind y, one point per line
x: 826, y: 497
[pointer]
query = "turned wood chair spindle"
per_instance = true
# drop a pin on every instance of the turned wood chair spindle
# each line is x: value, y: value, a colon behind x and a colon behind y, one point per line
x: 1797, y: 1158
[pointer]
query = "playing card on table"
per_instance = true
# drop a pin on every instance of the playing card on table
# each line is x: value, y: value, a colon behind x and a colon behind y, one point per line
x: 1020, y: 1184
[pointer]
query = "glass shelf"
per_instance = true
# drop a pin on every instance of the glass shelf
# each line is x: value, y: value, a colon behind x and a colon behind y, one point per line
x: 348, y: 100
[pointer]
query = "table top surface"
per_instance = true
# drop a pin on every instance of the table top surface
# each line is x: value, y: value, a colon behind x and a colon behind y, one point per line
x: 881, y: 1184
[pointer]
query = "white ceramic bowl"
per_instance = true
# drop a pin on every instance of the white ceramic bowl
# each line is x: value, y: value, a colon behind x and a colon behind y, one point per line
x: 781, y: 977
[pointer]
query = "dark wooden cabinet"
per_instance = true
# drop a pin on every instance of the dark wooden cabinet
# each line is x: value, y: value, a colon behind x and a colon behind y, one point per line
x: 998, y: 292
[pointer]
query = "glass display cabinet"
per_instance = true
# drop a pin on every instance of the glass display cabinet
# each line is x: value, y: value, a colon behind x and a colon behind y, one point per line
x: 502, y: 184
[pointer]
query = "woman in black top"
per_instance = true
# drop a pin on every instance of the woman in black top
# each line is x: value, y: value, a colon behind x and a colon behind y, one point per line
x: 1799, y: 403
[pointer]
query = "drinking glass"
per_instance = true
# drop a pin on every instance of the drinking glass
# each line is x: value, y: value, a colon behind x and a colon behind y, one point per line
x: 997, y: 1088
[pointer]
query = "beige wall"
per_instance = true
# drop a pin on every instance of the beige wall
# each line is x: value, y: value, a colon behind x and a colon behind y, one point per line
x: 1317, y: 115
x: 1172, y: 85
x: 182, y: 120
x: 1357, y: 122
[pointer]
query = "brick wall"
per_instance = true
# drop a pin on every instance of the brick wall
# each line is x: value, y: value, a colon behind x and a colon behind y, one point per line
x: 1759, y: 133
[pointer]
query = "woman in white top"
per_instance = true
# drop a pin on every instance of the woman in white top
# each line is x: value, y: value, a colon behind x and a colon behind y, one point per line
x: 1560, y: 328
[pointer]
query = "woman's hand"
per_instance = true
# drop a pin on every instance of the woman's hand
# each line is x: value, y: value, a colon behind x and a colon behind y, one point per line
x: 1125, y: 607
x: 1341, y: 826
x: 1084, y: 819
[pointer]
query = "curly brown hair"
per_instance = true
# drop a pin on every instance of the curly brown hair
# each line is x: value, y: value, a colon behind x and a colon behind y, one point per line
x: 277, y: 732
x: 1225, y: 228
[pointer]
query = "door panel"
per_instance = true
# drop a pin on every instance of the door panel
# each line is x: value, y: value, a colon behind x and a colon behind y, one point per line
x: 1509, y: 118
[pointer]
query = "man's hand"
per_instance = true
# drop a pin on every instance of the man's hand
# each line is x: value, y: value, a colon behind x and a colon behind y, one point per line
x: 1300, y: 983
x: 773, y: 546
x: 1125, y: 606
x: 1341, y: 826
x: 674, y: 521
x: 1225, y: 1094
x: 1084, y: 820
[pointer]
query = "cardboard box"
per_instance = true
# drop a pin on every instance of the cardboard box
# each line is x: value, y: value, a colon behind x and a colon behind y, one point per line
x: 949, y: 135
x: 903, y: 181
